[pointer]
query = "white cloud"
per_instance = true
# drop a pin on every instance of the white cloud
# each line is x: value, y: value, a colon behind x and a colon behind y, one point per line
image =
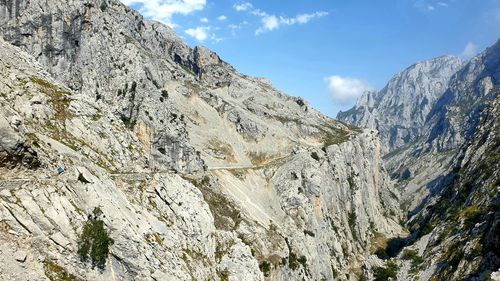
x: 259, y: 13
x: 244, y: 6
x: 470, y: 50
x: 442, y: 4
x: 271, y: 22
x: 200, y: 33
x: 305, y: 18
x: 222, y: 17
x: 268, y: 23
x: 205, y: 20
x: 430, y: 8
x: 163, y: 10
x: 344, y: 89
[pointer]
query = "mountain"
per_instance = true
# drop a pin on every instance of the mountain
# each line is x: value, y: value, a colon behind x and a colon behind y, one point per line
x: 453, y: 92
x: 399, y: 111
x: 456, y: 236
x: 448, y: 175
x: 127, y: 155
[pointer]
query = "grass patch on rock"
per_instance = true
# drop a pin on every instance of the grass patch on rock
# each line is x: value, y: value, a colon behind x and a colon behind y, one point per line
x: 56, y: 272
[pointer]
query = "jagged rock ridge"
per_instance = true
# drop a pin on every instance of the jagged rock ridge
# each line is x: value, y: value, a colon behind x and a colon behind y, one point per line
x: 450, y: 180
x: 400, y: 110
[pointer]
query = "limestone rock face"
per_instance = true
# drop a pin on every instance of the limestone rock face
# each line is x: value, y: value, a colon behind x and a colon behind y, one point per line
x: 200, y: 172
x: 458, y: 229
x: 400, y: 110
x: 448, y: 175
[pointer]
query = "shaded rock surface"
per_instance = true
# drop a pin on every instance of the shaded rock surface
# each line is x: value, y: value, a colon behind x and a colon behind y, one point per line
x: 448, y: 175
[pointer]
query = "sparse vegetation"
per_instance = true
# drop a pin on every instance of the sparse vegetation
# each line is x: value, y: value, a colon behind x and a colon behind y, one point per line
x: 415, y: 259
x: 226, y: 215
x: 59, y: 98
x: 239, y: 173
x: 308, y: 232
x: 350, y: 180
x: 384, y: 273
x: 164, y: 94
x: 378, y: 245
x: 259, y: 158
x: 94, y: 241
x: 351, y: 219
x: 315, y: 156
x: 221, y: 150
x: 471, y: 215
x: 294, y: 261
x: 56, y: 272
x: 333, y: 136
x: 265, y: 267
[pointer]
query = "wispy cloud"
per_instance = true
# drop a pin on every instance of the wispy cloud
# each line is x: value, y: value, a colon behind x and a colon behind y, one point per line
x: 205, y: 20
x: 222, y: 17
x: 430, y: 5
x: 234, y: 27
x: 163, y: 10
x: 216, y: 39
x: 272, y: 22
x: 237, y: 26
x: 345, y: 89
x: 243, y: 6
x: 470, y: 50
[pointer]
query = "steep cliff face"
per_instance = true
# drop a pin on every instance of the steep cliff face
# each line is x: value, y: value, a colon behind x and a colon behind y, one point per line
x: 400, y: 110
x: 456, y: 114
x: 449, y: 178
x: 454, y: 92
x: 200, y: 172
x: 421, y: 166
x: 456, y: 236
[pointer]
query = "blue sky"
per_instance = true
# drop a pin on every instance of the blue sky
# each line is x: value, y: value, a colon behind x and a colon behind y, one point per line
x: 329, y: 51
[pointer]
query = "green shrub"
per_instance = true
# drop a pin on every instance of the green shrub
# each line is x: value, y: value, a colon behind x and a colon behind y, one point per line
x: 352, y: 219
x: 292, y: 261
x: 315, y: 156
x: 265, y: 267
x: 94, y: 241
x: 413, y: 256
x: 384, y: 273
x: 381, y: 254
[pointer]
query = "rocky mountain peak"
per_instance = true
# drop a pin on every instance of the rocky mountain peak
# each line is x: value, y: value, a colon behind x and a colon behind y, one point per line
x: 204, y: 57
x: 402, y: 106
